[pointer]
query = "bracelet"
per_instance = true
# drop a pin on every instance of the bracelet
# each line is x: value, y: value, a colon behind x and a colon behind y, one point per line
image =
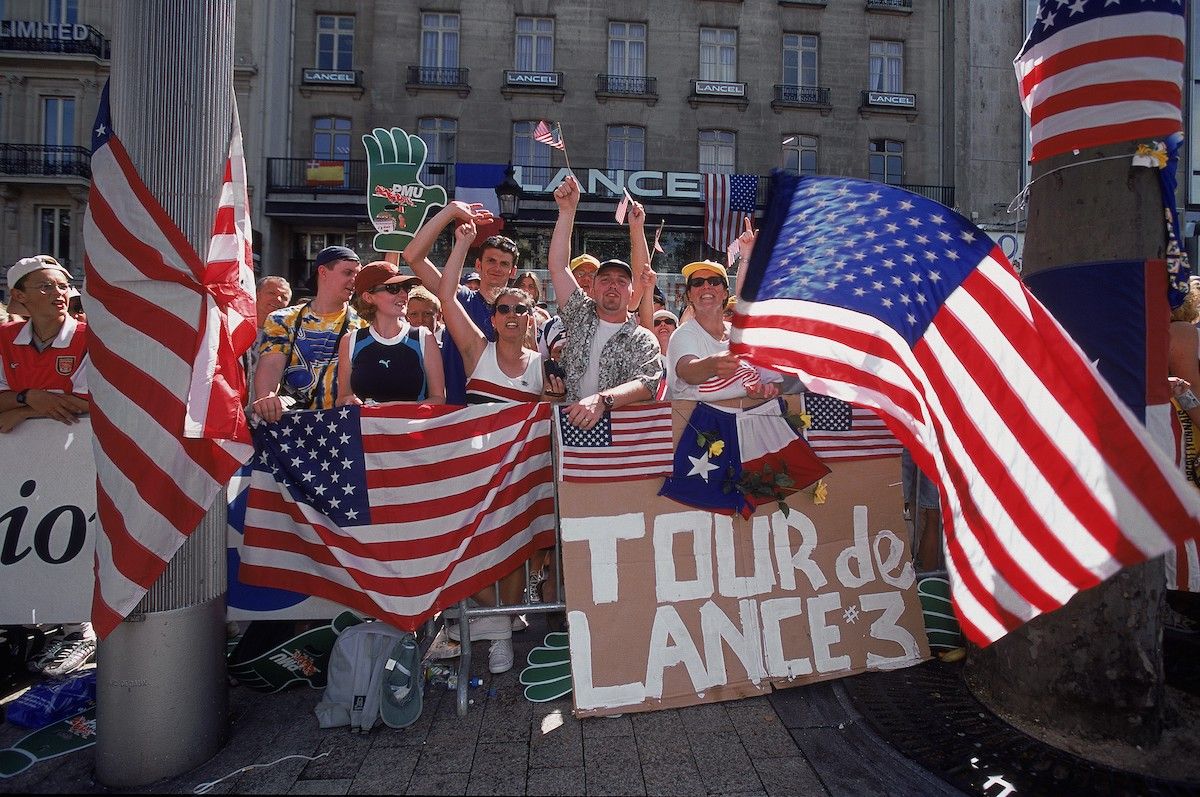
x: 1187, y: 400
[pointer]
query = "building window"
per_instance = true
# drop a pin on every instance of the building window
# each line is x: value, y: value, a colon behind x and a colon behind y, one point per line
x: 718, y: 54
x: 887, y: 66
x: 54, y: 233
x: 627, y: 49
x: 58, y: 121
x: 335, y: 42
x: 799, y: 59
x: 626, y: 148
x: 62, y: 12
x: 441, y: 147
x: 718, y: 149
x: 800, y: 154
x: 532, y: 156
x: 331, y: 138
x: 885, y: 161
x: 439, y: 41
x: 535, y: 45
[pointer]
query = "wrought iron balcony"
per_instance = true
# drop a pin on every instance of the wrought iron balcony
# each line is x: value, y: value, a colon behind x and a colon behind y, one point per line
x: 938, y: 193
x: 635, y: 86
x: 27, y: 36
x: 45, y: 160
x: 801, y: 95
x: 437, y: 77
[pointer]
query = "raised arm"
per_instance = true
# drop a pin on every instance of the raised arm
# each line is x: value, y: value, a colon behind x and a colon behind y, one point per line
x: 567, y: 197
x: 639, y: 254
x: 467, y: 336
x: 746, y: 241
x: 416, y: 254
x: 647, y: 278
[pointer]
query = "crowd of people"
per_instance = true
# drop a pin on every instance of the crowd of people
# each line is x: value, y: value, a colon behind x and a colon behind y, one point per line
x: 374, y: 333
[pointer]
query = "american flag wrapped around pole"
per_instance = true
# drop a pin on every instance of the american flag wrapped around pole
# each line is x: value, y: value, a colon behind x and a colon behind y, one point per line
x: 1095, y: 72
x: 891, y: 301
x: 728, y: 200
x: 166, y: 330
x: 398, y: 510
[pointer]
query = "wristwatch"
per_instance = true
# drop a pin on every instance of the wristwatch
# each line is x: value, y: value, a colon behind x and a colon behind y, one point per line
x: 21, y: 398
x: 608, y: 400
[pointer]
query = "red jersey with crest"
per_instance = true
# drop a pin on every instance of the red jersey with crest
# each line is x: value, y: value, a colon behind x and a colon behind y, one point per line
x: 62, y: 366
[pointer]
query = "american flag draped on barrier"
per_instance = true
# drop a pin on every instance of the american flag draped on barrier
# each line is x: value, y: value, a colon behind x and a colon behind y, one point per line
x: 1096, y: 72
x: 889, y: 300
x: 166, y: 331
x: 398, y: 510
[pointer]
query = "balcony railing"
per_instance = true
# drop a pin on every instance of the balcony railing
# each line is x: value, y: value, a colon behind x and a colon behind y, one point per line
x: 938, y: 193
x: 312, y: 176
x: 801, y: 95
x: 45, y: 160
x: 436, y: 76
x: 640, y: 86
x: 93, y: 43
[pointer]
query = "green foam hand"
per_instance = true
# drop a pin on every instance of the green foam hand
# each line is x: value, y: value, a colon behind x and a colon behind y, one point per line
x: 397, y: 200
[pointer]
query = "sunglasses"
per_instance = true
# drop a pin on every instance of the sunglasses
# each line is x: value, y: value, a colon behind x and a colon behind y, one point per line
x: 662, y: 321
x: 392, y: 288
x: 505, y: 309
x: 696, y: 282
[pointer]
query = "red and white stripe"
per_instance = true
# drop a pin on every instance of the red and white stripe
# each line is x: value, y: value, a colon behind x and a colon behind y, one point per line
x: 1104, y: 80
x: 642, y: 447
x: 497, y: 392
x: 721, y: 224
x: 1035, y: 510
x: 745, y: 374
x: 867, y: 438
x: 149, y: 314
x: 544, y: 135
x: 457, y: 501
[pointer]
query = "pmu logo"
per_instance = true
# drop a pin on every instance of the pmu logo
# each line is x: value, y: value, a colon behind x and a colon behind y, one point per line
x: 412, y: 191
x: 295, y: 661
x: 63, y: 528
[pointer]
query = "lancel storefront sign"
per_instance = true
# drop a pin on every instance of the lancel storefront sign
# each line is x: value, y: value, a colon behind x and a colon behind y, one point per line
x: 641, y: 184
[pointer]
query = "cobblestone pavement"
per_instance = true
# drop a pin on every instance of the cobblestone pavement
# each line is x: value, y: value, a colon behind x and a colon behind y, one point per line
x: 807, y: 740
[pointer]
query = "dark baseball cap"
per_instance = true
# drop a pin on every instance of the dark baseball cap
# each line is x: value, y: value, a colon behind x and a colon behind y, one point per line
x: 332, y: 254
x: 614, y: 263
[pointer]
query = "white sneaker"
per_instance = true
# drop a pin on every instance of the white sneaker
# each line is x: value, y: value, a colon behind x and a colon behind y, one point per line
x: 519, y: 623
x: 500, y: 656
x: 495, y: 627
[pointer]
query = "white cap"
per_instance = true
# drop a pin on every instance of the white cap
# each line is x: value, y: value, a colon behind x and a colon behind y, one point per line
x: 28, y: 265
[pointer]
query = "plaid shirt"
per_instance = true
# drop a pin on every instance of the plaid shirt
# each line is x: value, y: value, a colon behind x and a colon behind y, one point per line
x: 631, y: 354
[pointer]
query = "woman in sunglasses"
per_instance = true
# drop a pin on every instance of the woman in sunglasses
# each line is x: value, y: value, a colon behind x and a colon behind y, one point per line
x: 505, y: 370
x: 390, y: 360
x: 699, y: 364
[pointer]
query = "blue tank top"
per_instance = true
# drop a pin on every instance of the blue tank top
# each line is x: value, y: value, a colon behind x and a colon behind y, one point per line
x: 391, y: 370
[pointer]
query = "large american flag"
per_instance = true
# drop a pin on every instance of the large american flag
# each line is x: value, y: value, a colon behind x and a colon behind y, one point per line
x: 880, y: 297
x: 728, y: 200
x: 398, y: 510
x: 157, y: 315
x: 631, y: 442
x: 1095, y: 72
x: 841, y: 431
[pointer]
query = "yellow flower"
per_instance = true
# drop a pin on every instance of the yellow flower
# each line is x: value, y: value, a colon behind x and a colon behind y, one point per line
x: 716, y: 447
x: 820, y: 492
x: 806, y: 419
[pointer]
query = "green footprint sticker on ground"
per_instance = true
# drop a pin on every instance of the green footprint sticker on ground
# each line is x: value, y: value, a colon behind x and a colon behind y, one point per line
x: 941, y: 626
x: 548, y: 676
x: 59, y: 738
x: 302, y: 659
x: 397, y: 199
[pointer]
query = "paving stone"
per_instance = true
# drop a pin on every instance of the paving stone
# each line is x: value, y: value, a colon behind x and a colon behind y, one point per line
x: 761, y: 732
x: 386, y: 770
x: 602, y: 727
x: 339, y: 786
x: 558, y: 782
x: 346, y: 752
x: 442, y: 756
x: 555, y: 738
x: 671, y: 772
x: 790, y: 775
x: 499, y: 769
x: 438, y: 783
x: 654, y: 722
x: 723, y: 763
x: 277, y: 779
x: 612, y: 767
x: 706, y: 719
x: 506, y: 719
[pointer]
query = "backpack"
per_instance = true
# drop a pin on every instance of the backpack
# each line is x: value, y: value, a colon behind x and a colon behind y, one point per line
x: 363, y: 658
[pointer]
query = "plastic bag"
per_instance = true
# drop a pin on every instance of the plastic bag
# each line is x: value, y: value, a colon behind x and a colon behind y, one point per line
x: 52, y: 701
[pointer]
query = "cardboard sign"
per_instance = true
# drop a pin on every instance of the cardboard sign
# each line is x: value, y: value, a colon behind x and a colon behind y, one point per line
x: 671, y: 606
